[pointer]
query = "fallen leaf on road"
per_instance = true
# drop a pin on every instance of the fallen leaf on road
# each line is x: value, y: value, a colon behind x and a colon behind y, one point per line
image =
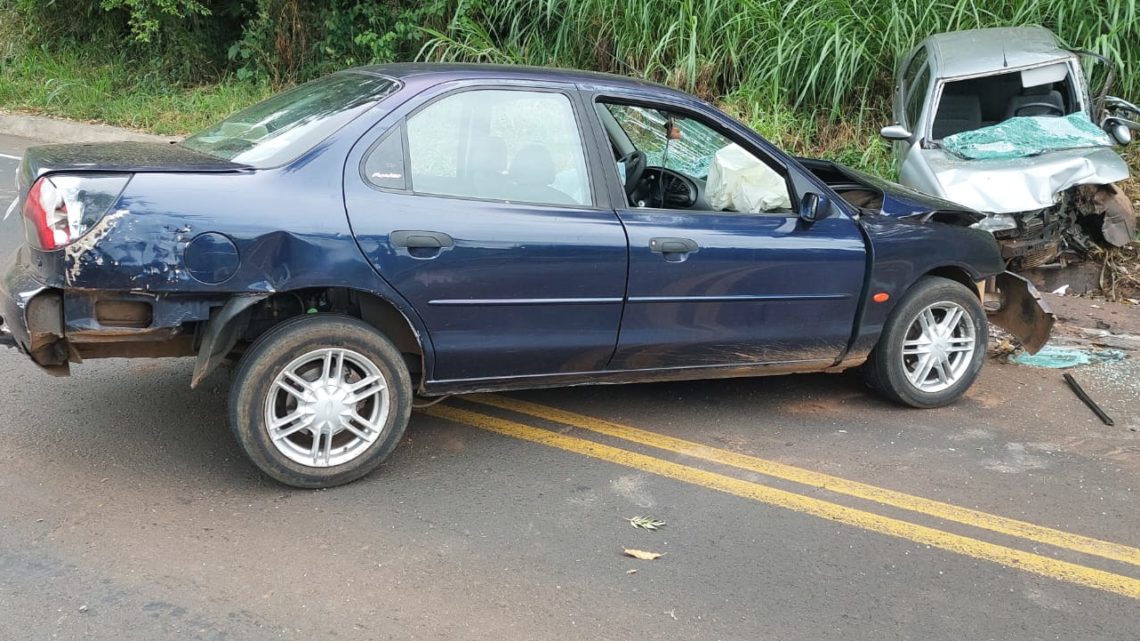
x: 646, y: 523
x: 631, y: 571
x: 642, y: 554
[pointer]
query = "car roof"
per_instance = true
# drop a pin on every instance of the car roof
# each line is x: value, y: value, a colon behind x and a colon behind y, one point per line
x: 980, y: 51
x: 446, y: 72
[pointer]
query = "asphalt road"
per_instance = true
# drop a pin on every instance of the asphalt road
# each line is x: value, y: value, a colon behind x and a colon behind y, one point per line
x: 797, y: 507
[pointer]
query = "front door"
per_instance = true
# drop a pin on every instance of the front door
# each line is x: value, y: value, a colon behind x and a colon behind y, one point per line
x: 722, y: 271
x: 478, y: 208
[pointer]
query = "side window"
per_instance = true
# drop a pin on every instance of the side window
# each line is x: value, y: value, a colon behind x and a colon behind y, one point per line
x: 916, y: 95
x: 515, y: 146
x: 384, y: 165
x: 916, y: 79
x: 689, y: 164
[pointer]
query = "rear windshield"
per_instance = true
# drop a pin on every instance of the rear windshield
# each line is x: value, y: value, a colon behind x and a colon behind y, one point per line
x: 285, y: 126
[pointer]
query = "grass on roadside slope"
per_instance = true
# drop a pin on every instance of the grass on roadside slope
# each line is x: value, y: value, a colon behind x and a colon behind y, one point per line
x: 72, y: 85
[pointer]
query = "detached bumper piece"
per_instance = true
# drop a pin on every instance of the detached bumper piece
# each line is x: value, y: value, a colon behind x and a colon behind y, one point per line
x: 1022, y: 313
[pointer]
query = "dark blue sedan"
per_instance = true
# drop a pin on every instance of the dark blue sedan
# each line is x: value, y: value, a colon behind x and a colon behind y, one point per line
x: 404, y: 230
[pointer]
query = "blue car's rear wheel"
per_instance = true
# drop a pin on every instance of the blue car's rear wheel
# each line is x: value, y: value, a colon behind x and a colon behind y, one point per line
x: 932, y: 347
x: 320, y: 400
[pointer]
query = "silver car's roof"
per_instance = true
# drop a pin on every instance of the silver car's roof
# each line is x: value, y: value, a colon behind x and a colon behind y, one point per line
x: 980, y: 51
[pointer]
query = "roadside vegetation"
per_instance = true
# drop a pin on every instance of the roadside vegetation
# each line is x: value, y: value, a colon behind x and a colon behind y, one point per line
x: 814, y: 76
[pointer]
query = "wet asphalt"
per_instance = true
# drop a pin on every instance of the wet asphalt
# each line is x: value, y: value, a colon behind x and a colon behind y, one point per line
x: 127, y: 512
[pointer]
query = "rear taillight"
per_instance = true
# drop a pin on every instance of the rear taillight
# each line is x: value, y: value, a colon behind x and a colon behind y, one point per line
x: 60, y: 208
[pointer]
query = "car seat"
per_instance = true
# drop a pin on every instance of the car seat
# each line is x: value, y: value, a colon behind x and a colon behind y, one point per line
x: 486, y: 167
x: 532, y: 170
x: 957, y: 113
x: 1040, y: 94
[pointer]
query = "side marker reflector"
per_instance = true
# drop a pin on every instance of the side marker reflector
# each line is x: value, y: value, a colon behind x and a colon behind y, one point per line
x: 881, y: 297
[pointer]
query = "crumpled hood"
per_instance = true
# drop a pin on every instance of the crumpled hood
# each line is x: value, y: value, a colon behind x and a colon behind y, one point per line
x: 1012, y: 185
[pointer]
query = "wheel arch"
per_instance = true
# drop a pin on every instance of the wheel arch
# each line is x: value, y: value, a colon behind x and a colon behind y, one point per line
x: 244, y: 318
x: 956, y: 273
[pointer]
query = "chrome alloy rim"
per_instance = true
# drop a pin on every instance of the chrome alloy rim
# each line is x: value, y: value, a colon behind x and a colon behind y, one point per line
x: 327, y: 407
x: 938, y: 347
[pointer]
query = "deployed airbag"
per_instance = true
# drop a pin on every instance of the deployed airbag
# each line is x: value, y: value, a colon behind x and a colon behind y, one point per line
x: 738, y: 181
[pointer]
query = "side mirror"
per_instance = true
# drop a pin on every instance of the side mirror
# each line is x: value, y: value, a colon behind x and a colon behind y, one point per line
x: 813, y: 207
x: 895, y: 132
x: 1118, y: 131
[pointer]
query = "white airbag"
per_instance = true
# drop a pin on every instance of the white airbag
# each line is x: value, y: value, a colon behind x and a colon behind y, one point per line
x: 740, y: 182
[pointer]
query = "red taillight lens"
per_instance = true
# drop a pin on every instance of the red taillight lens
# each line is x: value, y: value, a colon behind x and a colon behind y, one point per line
x: 60, y: 208
x: 45, y: 210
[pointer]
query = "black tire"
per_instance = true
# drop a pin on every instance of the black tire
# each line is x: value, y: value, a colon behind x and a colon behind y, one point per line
x: 886, y: 371
x: 255, y: 379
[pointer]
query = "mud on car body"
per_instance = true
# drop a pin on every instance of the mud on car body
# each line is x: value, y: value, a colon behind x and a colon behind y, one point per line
x: 440, y: 229
x: 1039, y: 202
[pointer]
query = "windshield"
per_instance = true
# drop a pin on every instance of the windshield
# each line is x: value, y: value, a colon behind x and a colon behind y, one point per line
x: 283, y: 127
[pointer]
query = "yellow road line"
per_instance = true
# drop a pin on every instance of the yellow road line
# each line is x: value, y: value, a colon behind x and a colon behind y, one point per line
x: 1009, y: 557
x: 929, y: 507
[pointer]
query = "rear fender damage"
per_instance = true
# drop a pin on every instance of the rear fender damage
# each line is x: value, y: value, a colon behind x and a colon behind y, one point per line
x: 1022, y: 313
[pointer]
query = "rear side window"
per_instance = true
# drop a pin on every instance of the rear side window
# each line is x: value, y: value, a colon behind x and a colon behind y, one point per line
x: 279, y: 129
x: 515, y: 146
x: 384, y: 166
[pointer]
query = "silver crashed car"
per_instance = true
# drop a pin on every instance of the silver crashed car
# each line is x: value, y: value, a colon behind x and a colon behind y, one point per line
x: 1042, y: 195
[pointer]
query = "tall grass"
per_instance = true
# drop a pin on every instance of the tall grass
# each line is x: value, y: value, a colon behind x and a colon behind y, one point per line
x: 829, y: 54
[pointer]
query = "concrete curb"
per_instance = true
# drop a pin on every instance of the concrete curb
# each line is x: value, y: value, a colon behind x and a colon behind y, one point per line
x: 49, y: 130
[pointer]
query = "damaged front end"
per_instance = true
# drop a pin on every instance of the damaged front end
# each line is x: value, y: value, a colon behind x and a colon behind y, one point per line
x: 1040, y: 206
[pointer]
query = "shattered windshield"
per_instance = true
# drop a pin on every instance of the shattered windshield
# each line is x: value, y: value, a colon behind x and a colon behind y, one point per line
x: 281, y: 128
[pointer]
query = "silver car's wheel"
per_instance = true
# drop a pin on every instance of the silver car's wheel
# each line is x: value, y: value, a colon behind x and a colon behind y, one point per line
x: 327, y: 407
x: 320, y: 400
x: 938, y: 347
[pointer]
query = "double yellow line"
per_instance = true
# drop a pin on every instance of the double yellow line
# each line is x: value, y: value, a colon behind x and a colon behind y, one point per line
x: 972, y: 547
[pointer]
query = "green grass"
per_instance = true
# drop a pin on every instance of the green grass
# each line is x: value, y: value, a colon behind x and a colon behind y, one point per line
x: 90, y: 86
x: 829, y: 54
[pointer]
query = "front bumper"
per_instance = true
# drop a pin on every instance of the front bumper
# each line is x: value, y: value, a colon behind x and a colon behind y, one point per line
x: 1022, y: 312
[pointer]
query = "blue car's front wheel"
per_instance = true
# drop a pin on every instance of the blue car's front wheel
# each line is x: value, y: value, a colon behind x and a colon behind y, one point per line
x: 320, y: 400
x: 932, y: 347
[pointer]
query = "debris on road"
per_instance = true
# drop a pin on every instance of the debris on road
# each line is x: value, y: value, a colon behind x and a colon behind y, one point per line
x: 1087, y: 400
x: 1064, y: 357
x: 646, y: 523
x: 642, y: 554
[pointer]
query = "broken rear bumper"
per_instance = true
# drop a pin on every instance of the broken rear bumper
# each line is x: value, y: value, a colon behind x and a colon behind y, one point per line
x: 1022, y: 312
x: 32, y: 317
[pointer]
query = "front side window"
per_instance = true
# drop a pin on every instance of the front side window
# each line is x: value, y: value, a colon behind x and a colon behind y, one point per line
x: 514, y: 146
x: 287, y: 125
x: 916, y: 95
x: 671, y: 161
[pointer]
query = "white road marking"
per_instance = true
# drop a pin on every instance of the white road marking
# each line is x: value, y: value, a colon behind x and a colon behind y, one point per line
x: 9, y: 156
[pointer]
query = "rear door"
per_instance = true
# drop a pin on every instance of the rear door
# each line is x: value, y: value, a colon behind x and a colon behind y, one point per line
x: 478, y: 206
x: 711, y: 284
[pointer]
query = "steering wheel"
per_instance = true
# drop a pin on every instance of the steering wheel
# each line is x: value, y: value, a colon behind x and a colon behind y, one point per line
x: 1048, y: 106
x: 634, y: 169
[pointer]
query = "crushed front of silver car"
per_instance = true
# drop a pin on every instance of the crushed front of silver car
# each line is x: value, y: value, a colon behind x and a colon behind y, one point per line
x: 1002, y: 121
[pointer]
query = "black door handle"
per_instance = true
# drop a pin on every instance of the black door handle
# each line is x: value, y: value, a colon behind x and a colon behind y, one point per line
x: 416, y: 239
x: 669, y: 245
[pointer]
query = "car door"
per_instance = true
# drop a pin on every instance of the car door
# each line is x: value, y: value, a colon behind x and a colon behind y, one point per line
x: 714, y: 287
x: 478, y: 207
